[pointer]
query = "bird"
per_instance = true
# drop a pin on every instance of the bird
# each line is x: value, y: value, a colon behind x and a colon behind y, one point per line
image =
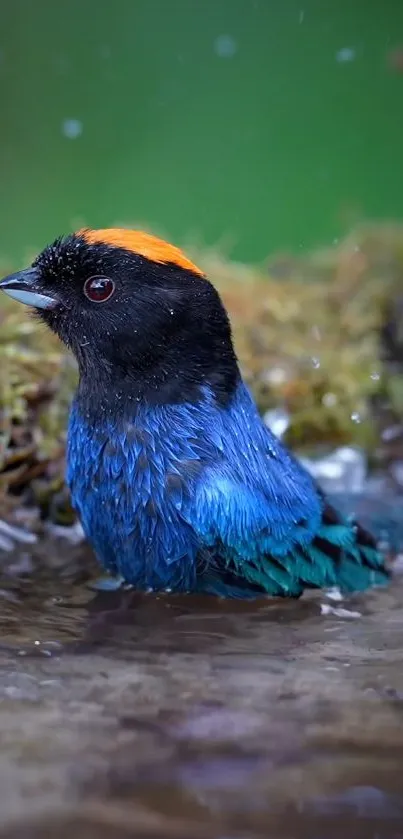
x: 178, y: 483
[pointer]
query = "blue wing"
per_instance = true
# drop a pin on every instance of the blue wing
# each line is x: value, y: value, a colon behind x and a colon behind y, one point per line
x: 265, y: 521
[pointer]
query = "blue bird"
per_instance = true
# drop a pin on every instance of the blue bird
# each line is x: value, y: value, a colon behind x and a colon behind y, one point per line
x: 177, y: 482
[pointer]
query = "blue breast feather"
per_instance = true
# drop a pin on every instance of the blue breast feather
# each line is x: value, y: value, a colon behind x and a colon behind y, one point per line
x: 200, y: 497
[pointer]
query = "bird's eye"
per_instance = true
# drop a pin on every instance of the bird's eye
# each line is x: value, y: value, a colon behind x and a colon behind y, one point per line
x: 99, y: 289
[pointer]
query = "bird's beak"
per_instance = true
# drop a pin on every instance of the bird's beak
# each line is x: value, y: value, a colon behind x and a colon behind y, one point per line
x: 24, y: 286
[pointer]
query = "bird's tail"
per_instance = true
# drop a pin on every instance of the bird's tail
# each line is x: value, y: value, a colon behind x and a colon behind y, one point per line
x: 346, y: 554
x: 342, y: 554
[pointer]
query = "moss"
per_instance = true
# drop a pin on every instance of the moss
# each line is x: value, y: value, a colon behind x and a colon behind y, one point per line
x: 37, y: 379
x: 307, y: 334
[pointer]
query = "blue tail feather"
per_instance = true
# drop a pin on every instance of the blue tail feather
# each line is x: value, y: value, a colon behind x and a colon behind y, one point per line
x: 342, y: 554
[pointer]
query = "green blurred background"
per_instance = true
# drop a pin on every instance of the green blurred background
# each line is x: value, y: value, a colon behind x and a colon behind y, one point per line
x: 256, y: 125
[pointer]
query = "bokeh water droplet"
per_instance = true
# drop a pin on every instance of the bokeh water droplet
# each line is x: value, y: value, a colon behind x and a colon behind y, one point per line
x: 329, y: 400
x: 345, y: 54
x: 225, y: 46
x: 275, y: 376
x: 72, y: 128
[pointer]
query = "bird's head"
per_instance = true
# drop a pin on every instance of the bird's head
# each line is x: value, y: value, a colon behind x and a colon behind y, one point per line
x: 135, y: 311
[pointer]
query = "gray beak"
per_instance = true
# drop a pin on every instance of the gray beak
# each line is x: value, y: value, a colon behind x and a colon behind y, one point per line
x: 24, y: 287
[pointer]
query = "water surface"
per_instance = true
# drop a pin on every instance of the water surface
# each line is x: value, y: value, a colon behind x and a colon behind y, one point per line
x: 166, y: 716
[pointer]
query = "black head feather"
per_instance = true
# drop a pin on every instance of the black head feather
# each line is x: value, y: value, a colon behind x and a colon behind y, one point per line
x: 162, y: 335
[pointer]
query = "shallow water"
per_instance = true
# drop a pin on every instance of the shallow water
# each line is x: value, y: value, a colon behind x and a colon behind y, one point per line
x: 162, y: 716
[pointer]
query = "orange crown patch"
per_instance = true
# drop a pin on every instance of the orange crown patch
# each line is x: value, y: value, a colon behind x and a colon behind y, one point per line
x: 142, y: 243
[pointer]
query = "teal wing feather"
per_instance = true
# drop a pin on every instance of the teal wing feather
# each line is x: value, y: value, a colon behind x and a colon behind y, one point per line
x: 265, y: 523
